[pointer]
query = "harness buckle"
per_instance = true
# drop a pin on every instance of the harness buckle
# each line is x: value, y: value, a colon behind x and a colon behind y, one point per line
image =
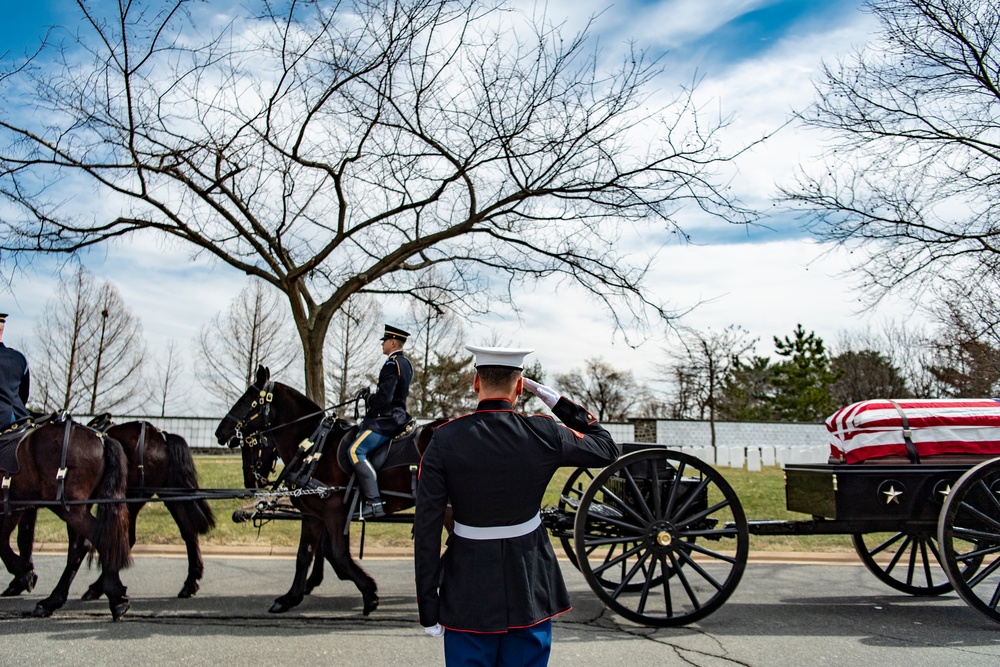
x: 61, y: 474
x: 6, y: 482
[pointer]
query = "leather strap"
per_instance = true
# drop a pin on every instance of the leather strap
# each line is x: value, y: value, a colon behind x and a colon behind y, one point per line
x: 911, y: 449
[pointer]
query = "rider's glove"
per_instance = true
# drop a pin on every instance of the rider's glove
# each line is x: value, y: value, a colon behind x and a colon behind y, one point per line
x: 547, y: 394
x: 435, y: 630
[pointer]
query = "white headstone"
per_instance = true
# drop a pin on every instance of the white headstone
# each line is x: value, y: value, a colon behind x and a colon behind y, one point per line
x: 736, y: 455
x: 753, y: 459
x: 722, y: 457
x: 767, y: 455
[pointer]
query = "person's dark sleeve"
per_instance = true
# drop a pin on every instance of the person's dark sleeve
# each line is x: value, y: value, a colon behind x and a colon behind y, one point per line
x: 584, y: 442
x: 25, y: 388
x: 428, y: 520
x: 387, y: 379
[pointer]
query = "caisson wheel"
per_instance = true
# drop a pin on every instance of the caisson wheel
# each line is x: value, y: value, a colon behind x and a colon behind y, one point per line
x: 908, y: 561
x: 969, y: 535
x: 569, y: 500
x: 661, y: 537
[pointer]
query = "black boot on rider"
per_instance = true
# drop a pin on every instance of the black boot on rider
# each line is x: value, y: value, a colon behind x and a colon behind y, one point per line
x: 373, y: 505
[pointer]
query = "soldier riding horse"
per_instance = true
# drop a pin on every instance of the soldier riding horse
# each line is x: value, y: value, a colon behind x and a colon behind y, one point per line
x: 273, y: 420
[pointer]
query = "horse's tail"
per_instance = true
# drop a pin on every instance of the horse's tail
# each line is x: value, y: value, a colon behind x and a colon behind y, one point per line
x: 196, y: 515
x: 111, y: 529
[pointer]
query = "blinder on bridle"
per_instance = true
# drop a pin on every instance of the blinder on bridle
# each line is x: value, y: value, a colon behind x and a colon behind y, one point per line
x: 252, y: 424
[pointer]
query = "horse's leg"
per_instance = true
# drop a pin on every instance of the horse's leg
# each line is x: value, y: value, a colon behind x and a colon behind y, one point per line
x: 78, y: 548
x: 316, y: 577
x: 196, y: 566
x: 96, y: 589
x: 341, y: 560
x: 309, y: 541
x: 18, y: 564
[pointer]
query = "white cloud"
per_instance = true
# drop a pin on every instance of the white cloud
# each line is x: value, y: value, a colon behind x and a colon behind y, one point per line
x: 767, y: 287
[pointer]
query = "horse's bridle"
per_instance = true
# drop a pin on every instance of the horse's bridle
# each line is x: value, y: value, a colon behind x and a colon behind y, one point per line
x: 263, y: 464
x: 257, y: 440
x: 263, y: 400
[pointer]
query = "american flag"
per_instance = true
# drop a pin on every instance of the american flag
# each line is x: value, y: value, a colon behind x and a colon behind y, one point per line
x: 872, y: 429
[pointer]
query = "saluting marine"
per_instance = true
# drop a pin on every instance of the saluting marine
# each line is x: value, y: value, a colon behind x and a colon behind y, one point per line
x: 385, y: 417
x: 15, y: 382
x: 498, y: 584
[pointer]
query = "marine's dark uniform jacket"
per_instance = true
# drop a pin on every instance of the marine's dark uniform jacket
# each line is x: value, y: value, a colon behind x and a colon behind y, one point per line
x: 386, y: 408
x: 15, y: 383
x: 494, y: 466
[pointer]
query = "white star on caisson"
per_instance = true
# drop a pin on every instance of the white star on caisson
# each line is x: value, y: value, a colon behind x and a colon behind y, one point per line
x: 892, y: 495
x: 945, y: 491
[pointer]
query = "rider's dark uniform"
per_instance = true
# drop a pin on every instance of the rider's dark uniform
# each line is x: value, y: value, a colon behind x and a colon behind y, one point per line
x: 493, y: 466
x: 385, y: 417
x: 386, y: 408
x: 15, y: 383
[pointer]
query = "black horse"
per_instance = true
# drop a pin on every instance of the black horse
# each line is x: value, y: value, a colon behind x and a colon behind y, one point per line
x: 286, y: 418
x: 67, y: 466
x: 160, y: 464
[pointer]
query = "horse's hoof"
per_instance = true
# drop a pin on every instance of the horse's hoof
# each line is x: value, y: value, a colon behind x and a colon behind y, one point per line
x: 92, y: 594
x: 41, y: 611
x: 370, y: 606
x: 21, y: 584
x: 189, y: 590
x: 118, y: 610
x: 278, y: 608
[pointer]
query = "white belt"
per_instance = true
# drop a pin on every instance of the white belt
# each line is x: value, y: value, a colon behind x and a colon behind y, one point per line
x: 497, y: 532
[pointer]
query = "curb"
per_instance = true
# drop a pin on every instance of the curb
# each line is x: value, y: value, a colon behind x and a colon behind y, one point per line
x: 388, y: 553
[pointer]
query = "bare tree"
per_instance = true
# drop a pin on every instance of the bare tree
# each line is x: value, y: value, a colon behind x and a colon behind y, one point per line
x: 352, y: 347
x: 608, y: 392
x: 334, y: 149
x: 912, y: 168
x: 91, y: 349
x: 254, y: 330
x: 903, y: 346
x: 164, y: 384
x: 443, y: 370
x: 700, y: 366
x: 967, y: 350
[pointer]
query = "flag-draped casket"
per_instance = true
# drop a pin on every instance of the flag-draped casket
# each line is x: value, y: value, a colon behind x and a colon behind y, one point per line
x: 883, y: 427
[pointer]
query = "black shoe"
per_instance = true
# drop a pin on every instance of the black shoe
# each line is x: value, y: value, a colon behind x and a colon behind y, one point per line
x: 372, y: 509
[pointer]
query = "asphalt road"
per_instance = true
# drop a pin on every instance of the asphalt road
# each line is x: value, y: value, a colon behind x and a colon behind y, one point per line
x: 781, y: 614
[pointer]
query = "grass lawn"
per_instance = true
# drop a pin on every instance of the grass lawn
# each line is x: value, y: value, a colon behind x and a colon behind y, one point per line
x: 762, y: 494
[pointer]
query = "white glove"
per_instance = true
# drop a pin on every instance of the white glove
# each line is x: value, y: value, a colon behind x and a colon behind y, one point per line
x: 434, y: 631
x: 547, y: 394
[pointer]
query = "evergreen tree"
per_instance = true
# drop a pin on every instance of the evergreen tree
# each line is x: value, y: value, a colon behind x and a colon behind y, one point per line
x: 748, y: 391
x: 804, y: 380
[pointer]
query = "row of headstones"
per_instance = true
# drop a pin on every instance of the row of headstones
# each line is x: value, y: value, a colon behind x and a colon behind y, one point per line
x: 755, y: 458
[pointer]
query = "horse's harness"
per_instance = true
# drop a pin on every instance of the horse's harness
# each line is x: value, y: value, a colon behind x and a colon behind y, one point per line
x: 23, y: 429
x: 264, y: 451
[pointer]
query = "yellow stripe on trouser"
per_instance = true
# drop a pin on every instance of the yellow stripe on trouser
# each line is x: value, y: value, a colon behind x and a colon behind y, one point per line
x: 354, y: 447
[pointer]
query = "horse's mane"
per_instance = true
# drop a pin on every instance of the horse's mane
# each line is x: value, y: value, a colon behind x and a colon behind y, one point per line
x: 298, y: 397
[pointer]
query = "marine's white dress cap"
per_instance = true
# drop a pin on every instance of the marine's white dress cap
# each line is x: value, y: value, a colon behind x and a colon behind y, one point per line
x: 499, y: 356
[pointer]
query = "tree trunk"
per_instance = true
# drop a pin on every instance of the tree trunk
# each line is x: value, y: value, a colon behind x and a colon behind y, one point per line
x: 312, y: 348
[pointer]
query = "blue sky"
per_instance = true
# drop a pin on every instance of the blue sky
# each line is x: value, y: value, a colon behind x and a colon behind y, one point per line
x: 25, y: 24
x: 756, y: 59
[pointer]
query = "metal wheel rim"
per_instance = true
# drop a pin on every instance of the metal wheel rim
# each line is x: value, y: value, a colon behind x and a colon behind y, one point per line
x: 969, y: 534
x: 915, y: 567
x: 674, y: 566
x: 572, y: 492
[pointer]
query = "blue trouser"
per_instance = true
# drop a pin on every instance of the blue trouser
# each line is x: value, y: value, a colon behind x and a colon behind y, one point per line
x: 366, y: 441
x: 527, y: 647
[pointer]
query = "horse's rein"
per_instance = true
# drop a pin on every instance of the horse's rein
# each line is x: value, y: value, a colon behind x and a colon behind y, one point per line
x: 265, y: 397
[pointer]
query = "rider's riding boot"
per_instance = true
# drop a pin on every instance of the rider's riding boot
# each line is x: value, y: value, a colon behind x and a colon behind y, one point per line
x: 373, y: 506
